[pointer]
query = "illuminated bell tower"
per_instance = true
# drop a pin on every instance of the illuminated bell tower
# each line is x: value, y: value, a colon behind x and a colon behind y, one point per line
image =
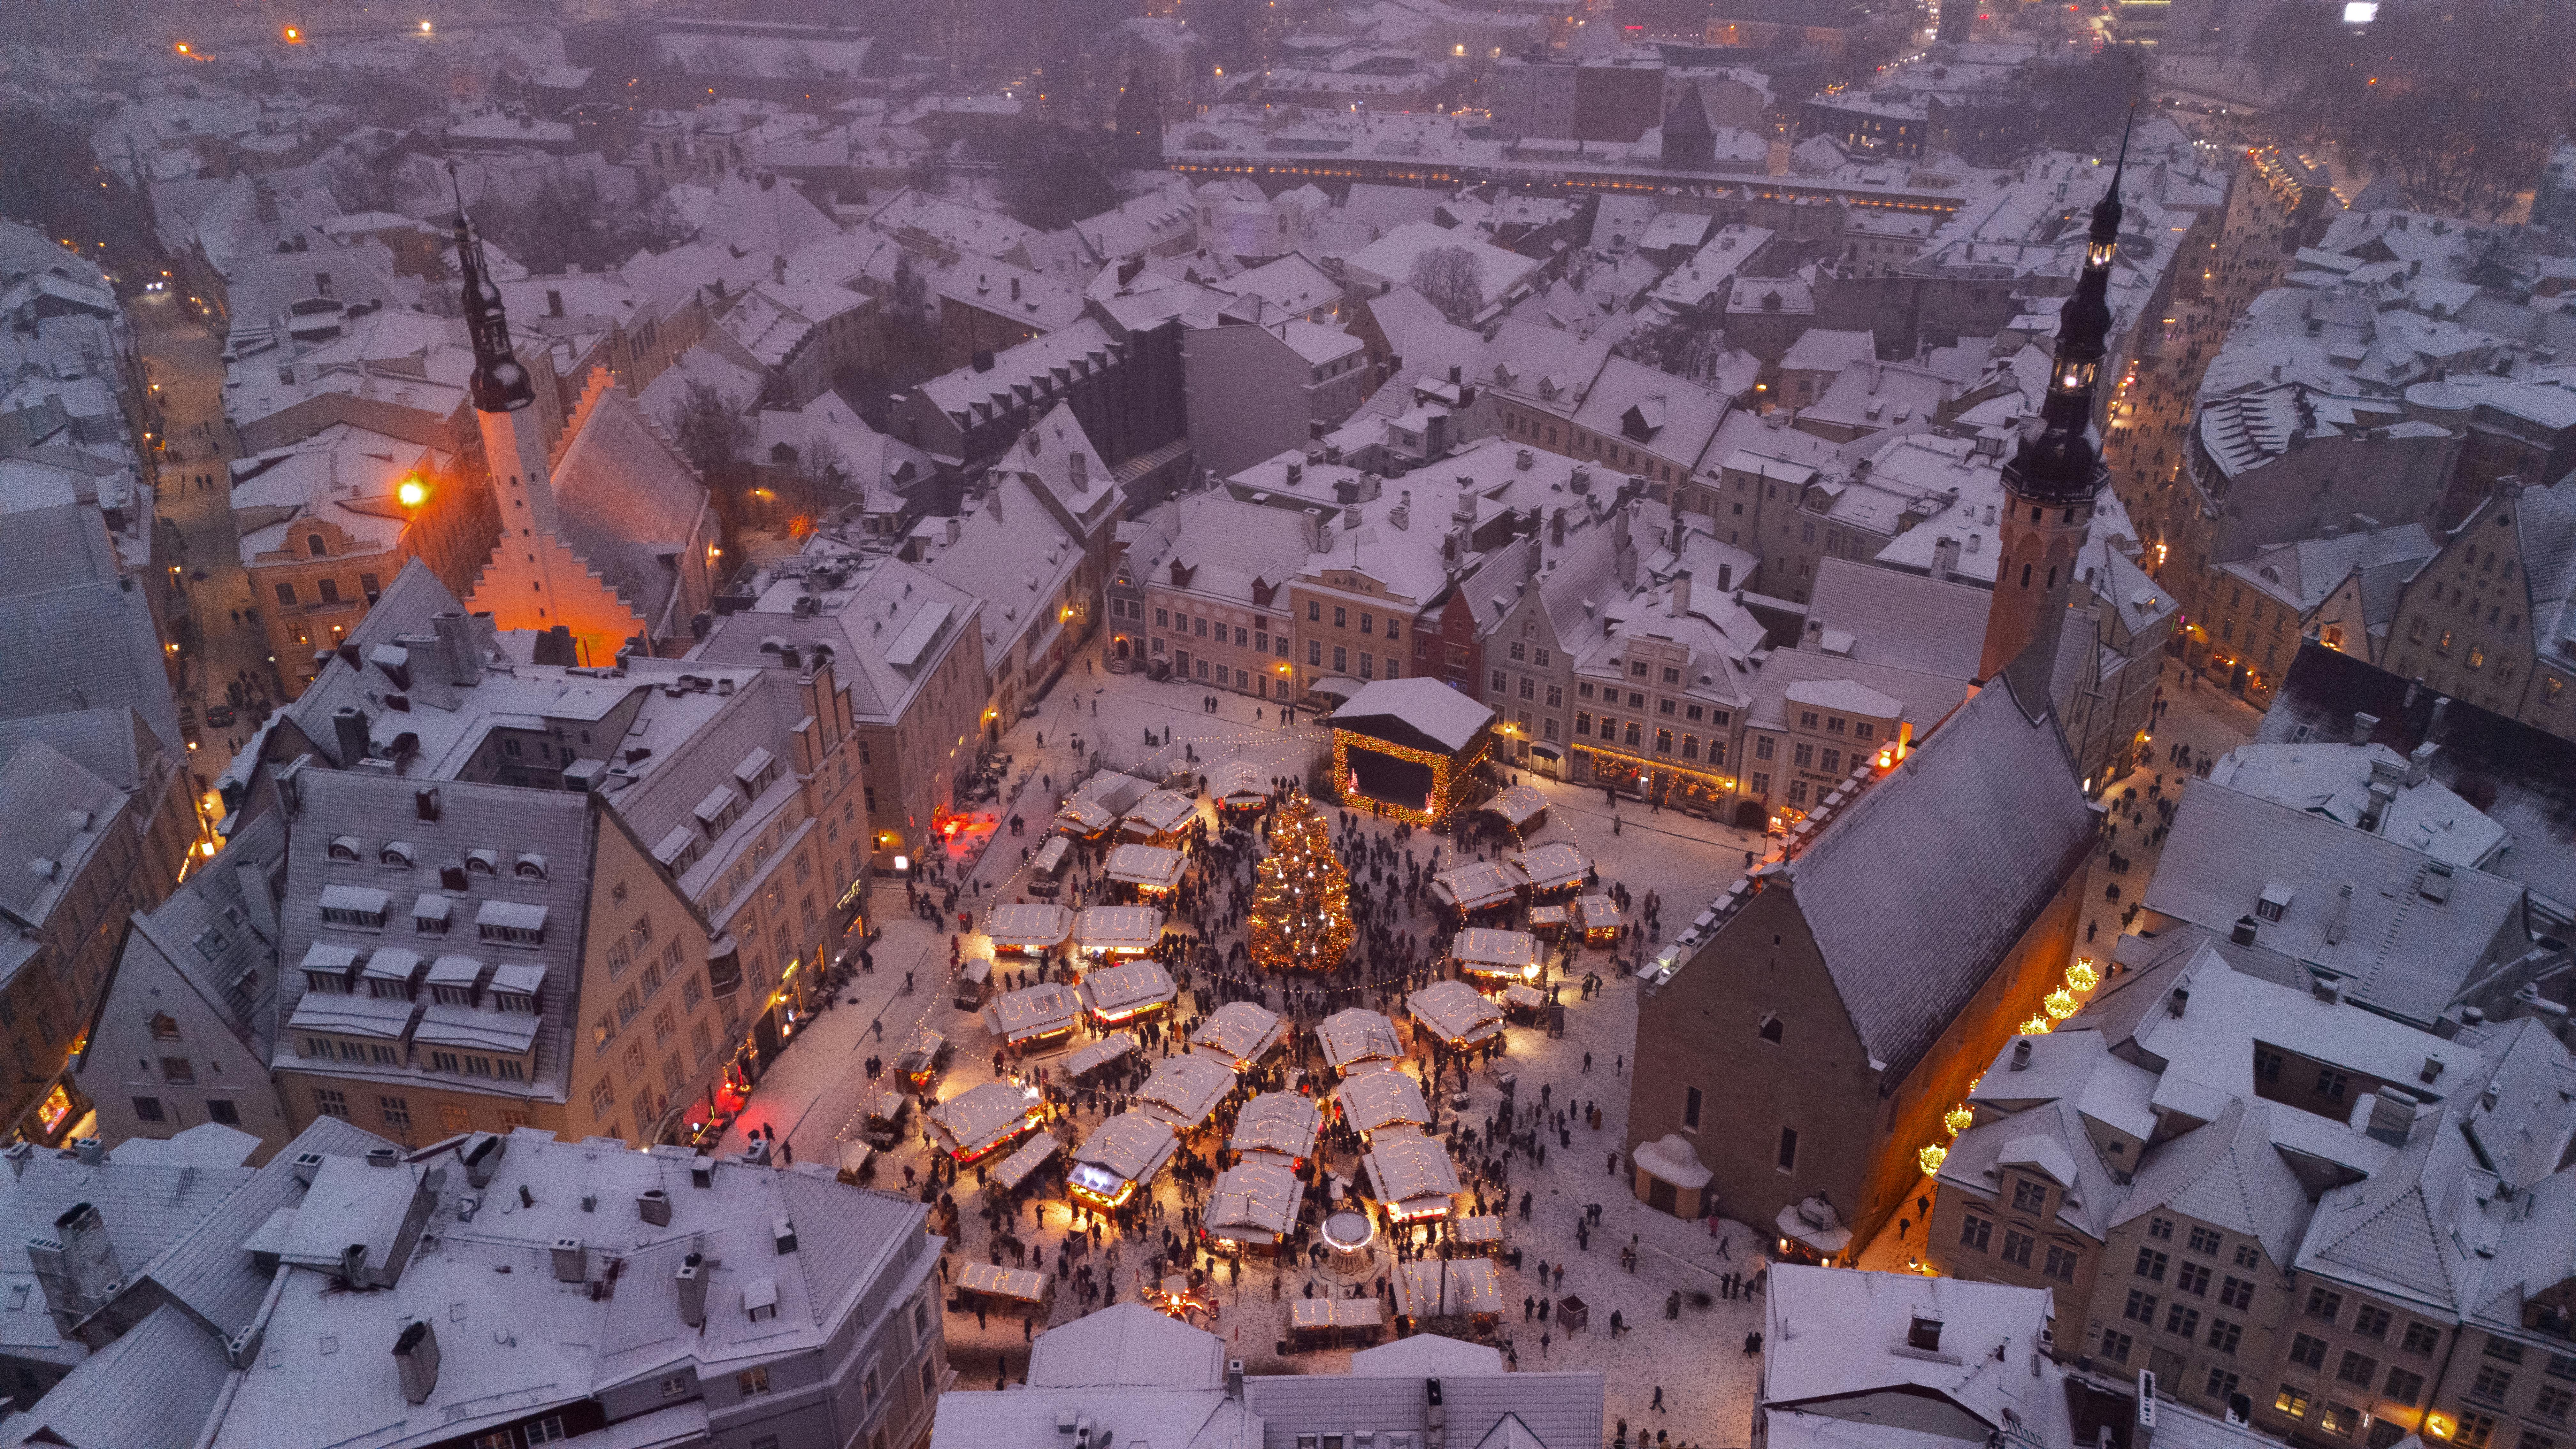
x: 2056, y: 472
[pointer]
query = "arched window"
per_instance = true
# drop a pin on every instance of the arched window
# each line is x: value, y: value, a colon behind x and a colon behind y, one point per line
x: 313, y: 544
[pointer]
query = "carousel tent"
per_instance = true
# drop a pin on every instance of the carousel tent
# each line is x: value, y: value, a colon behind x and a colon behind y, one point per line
x: 1455, y: 1012
x: 1239, y: 1033
x: 1284, y: 1123
x: 1357, y: 1035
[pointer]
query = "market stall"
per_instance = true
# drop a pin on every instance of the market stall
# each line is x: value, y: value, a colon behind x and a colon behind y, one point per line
x: 1121, y: 993
x: 1410, y: 1176
x: 1239, y: 1033
x: 1478, y: 885
x: 1554, y: 868
x: 999, y: 1287
x: 1452, y: 1288
x: 1159, y: 817
x: 1522, y: 808
x: 1092, y: 1056
x: 1357, y: 1035
x: 1033, y: 1015
x: 1381, y: 1097
x: 1456, y: 1013
x: 1278, y: 1124
x: 856, y: 1168
x: 1017, y: 1170
x: 975, y: 1122
x: 921, y: 1061
x: 1482, y: 1234
x: 1117, y: 930
x: 1599, y: 916
x: 1121, y: 1155
x: 1408, y: 747
x: 1331, y: 1322
x: 1149, y: 868
x: 1523, y: 1002
x: 1549, y: 920
x: 1045, y: 876
x: 889, y: 1117
x: 1668, y: 1177
x: 1027, y: 929
x: 1254, y: 1204
x: 1097, y: 804
x: 1185, y: 1091
x: 1238, y: 785
x: 1495, y: 957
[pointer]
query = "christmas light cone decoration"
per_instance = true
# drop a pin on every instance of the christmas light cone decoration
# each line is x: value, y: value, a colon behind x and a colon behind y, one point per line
x: 1301, y: 901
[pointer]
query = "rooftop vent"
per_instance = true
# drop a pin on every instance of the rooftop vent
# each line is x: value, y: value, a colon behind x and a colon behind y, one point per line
x: 572, y: 1260
x: 416, y: 1356
x: 654, y: 1207
x: 1924, y: 1331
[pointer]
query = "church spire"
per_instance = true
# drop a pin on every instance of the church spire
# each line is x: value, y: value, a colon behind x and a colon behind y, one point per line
x: 2053, y: 477
x: 2059, y: 460
x: 500, y: 384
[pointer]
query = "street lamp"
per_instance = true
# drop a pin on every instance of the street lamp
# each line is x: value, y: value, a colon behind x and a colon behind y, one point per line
x: 412, y: 491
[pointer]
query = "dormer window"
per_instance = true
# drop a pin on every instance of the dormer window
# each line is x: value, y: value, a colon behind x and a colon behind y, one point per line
x: 344, y: 847
x: 482, y: 862
x: 2029, y: 1196
x: 2274, y: 901
x: 511, y: 922
x: 530, y: 866
x: 396, y: 853
x: 353, y: 906
x: 757, y: 772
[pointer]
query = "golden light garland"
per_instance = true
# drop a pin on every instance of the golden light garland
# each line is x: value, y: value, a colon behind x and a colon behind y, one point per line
x: 2060, y: 1004
x: 1958, y: 1119
x: 1931, y: 1158
x: 1301, y: 902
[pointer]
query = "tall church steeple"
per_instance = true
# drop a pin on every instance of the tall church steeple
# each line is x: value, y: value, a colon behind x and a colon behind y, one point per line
x: 2056, y: 471
x: 500, y: 384
x: 1140, y: 124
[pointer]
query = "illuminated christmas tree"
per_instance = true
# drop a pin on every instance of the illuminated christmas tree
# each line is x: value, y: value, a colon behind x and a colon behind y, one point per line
x: 1301, y: 901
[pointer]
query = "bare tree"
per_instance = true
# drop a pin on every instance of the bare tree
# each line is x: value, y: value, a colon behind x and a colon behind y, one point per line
x: 821, y: 475
x: 1452, y: 280
x: 709, y: 430
x: 1685, y: 345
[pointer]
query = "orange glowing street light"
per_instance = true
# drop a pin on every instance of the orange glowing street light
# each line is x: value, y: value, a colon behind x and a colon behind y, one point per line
x: 412, y: 491
x: 294, y: 36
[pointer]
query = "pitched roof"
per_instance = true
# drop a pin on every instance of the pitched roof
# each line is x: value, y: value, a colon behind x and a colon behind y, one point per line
x: 628, y: 503
x: 2229, y: 1175
x: 1987, y: 808
x: 1425, y: 707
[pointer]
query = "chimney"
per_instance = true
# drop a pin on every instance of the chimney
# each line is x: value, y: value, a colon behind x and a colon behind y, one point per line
x: 2340, y: 914
x: 1015, y: 286
x: 572, y: 1260
x: 349, y: 731
x: 2419, y: 764
x: 76, y: 1265
x: 482, y: 1154
x: 692, y: 1282
x: 1725, y: 577
x: 457, y: 647
x: 702, y: 1171
x: 2247, y: 931
x: 1081, y: 469
x: 782, y: 1231
x: 2142, y: 1429
x: 655, y: 1207
x: 91, y: 1151
x: 2362, y: 725
x: 416, y: 1357
x: 1924, y: 1332
x: 1679, y: 603
x: 2375, y: 814
x: 1812, y: 639
x: 1945, y: 556
x: 1234, y: 1380
x: 18, y: 1153
x: 2176, y: 1000
x: 384, y: 1157
x: 2021, y: 1054
x: 307, y: 1164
